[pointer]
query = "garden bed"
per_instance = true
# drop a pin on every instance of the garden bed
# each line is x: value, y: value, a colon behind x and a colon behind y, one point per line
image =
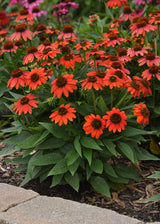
x: 129, y: 200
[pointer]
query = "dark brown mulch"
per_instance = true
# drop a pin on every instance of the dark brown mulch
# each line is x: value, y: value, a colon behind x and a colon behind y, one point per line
x: 129, y: 201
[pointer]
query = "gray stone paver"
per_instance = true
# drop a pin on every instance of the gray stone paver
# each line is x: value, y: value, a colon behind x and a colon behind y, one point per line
x: 48, y: 210
x: 20, y: 206
x: 11, y: 196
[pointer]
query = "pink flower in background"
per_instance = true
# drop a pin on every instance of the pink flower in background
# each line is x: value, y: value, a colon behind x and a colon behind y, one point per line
x: 37, y: 12
x: 73, y: 5
x: 139, y: 2
x: 30, y: 4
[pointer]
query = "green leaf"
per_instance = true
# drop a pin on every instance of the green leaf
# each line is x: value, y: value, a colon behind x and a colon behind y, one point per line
x: 77, y: 145
x: 8, y: 150
x: 46, y: 159
x: 52, y: 143
x: 143, y: 154
x: 97, y: 166
x: 56, y: 180
x: 59, y: 168
x: 17, y: 138
x: 111, y: 147
x: 42, y: 137
x: 30, y: 141
x: 154, y: 198
x: 73, y: 181
x: 101, y: 104
x: 71, y: 157
x: 155, y: 175
x: 73, y: 168
x: 28, y: 177
x: 126, y: 150
x: 90, y: 143
x: 100, y: 185
x: 88, y: 172
x: 56, y: 130
x: 118, y: 180
x: 88, y: 155
x: 131, y: 131
x: 126, y: 172
x: 109, y: 170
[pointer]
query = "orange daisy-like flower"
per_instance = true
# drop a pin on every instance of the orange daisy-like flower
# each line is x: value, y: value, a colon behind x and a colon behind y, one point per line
x: 134, y: 87
x: 137, y: 50
x: 151, y: 72
x: 126, y: 14
x: 115, y: 120
x: 69, y: 60
x: 150, y: 59
x: 92, y: 82
x: 141, y: 26
x: 24, y: 14
x: 18, y: 78
x: 145, y: 85
x: 122, y: 55
x: 116, y: 3
x: 36, y: 77
x: 112, y: 80
x: 32, y: 53
x: 113, y: 39
x: 63, y: 85
x: 94, y: 125
x: 84, y: 45
x: 8, y: 47
x: 24, y: 104
x: 47, y: 53
x: 41, y: 28
x: 67, y: 33
x: 21, y: 31
x: 142, y: 113
x: 63, y: 114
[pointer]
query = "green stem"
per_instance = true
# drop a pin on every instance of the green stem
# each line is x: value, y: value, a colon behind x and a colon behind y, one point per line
x: 111, y: 98
x: 146, y: 40
x: 153, y: 91
x: 54, y: 70
x: 109, y: 12
x: 85, y: 63
x: 95, y: 63
x: 155, y: 46
x: 94, y: 101
x: 122, y: 99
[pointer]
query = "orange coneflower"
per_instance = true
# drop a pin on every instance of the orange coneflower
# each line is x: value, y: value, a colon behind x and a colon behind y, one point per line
x: 112, y: 80
x: 36, y: 77
x: 63, y: 114
x: 67, y: 33
x: 8, y: 47
x: 150, y: 59
x: 113, y: 40
x: 21, y: 31
x: 142, y: 113
x: 69, y: 60
x: 61, y: 42
x: 47, y: 53
x: 126, y: 14
x: 25, y: 103
x: 63, y: 85
x: 122, y: 55
x: 84, y: 45
x: 46, y: 44
x: 137, y: 50
x: 133, y: 87
x: 115, y: 120
x: 141, y: 26
x: 18, y: 78
x: 92, y: 81
x: 24, y: 14
x: 94, y: 125
x: 32, y: 53
x: 139, y: 40
x: 101, y: 43
x: 151, y: 72
x: 145, y: 85
x: 41, y: 28
x: 116, y: 3
x: 99, y: 74
x: 4, y: 19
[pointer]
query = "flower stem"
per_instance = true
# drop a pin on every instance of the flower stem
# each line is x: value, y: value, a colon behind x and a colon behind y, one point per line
x: 153, y: 91
x: 85, y: 63
x: 94, y: 101
x: 122, y: 99
x: 54, y: 70
x: 146, y: 40
x: 111, y: 98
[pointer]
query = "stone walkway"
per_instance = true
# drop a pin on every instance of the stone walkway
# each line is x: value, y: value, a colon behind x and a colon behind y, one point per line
x: 20, y: 206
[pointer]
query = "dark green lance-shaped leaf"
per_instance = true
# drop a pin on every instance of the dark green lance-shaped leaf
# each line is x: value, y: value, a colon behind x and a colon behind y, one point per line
x: 52, y: 143
x: 8, y: 150
x: 109, y: 170
x: 90, y: 143
x: 3, y: 89
x: 155, y: 175
x: 84, y: 109
x: 56, y: 130
x: 59, y: 168
x: 88, y: 155
x: 42, y: 138
x: 154, y: 198
x: 71, y: 157
x: 73, y: 181
x: 101, y: 104
x: 73, y: 168
x: 88, y: 172
x: 97, y: 166
x: 28, y: 177
x: 100, y: 185
x: 126, y: 150
x: 110, y: 146
x: 77, y: 145
x: 17, y: 138
x: 50, y: 158
x: 126, y: 172
x: 143, y: 154
x: 56, y: 180
x: 120, y: 180
x: 30, y: 141
x: 131, y: 131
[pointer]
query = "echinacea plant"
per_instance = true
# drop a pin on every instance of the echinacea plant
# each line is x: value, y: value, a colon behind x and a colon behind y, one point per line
x: 81, y: 101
